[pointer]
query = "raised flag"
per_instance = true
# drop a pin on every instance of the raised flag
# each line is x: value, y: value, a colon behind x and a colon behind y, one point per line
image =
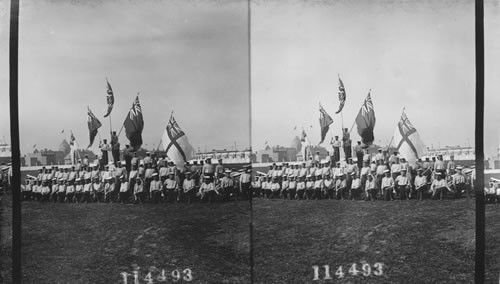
x: 176, y: 144
x: 325, y: 120
x: 110, y: 99
x: 342, y: 95
x: 72, y: 139
x: 134, y: 124
x: 365, y: 121
x: 407, y: 140
x: 93, y: 124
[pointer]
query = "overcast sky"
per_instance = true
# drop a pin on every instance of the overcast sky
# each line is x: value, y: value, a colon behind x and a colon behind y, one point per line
x: 192, y: 58
x: 187, y: 56
x: 492, y: 77
x: 410, y: 54
x: 4, y: 71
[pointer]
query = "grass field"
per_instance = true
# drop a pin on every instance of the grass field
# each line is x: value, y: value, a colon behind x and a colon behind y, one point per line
x: 418, y: 242
x: 492, y: 224
x: 94, y: 243
x: 5, y: 239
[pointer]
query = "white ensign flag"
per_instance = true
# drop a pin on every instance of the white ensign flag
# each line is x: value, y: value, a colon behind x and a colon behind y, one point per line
x: 407, y: 140
x: 176, y: 144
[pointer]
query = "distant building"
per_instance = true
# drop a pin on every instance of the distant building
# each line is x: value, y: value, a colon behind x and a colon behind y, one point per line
x: 80, y: 155
x: 44, y: 158
x: 5, y: 153
x: 227, y: 156
x: 276, y: 154
x: 323, y: 153
x: 460, y: 153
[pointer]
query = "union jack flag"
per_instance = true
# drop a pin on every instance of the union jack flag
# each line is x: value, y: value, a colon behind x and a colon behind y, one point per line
x: 342, y: 95
x: 110, y: 99
x: 368, y: 105
x: 136, y: 110
x: 176, y: 144
x: 173, y: 128
x: 406, y: 125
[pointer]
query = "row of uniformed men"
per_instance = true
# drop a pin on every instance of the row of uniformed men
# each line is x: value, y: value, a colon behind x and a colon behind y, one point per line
x: 378, y: 168
x: 351, y: 186
x: 171, y: 188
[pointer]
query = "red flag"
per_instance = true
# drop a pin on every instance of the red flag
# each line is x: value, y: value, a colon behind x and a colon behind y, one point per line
x: 366, y: 121
x: 109, y: 98
x: 134, y: 124
x: 93, y: 124
x: 342, y: 95
x: 325, y: 121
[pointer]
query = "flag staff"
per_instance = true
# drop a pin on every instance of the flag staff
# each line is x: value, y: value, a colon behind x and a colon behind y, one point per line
x: 369, y: 92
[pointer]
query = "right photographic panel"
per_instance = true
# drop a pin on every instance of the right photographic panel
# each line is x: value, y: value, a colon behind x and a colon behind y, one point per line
x: 363, y: 141
x: 492, y: 140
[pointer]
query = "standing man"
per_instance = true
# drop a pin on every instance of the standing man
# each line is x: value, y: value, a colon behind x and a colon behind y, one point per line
x: 115, y: 147
x: 450, y: 167
x: 127, y: 156
x: 105, y: 148
x: 359, y: 154
x: 346, y: 141
x: 458, y: 182
x: 245, y: 181
x: 219, y: 169
x: 336, y: 149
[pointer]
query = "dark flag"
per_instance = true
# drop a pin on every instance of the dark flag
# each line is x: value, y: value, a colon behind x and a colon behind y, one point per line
x: 366, y: 121
x: 72, y: 139
x: 93, y: 124
x: 109, y: 98
x: 134, y: 124
x: 342, y: 95
x: 324, y: 122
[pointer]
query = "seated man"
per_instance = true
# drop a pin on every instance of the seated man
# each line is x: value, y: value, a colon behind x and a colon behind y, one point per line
x: 402, y: 185
x: 155, y: 187
x: 256, y: 186
x: 309, y: 186
x: 139, y: 190
x: 355, y: 190
x: 292, y: 187
x: 328, y: 186
x: 208, y: 190
x: 188, y: 187
x: 459, y: 182
x: 387, y: 186
x: 370, y: 188
x: 439, y: 186
x: 275, y: 188
x: 340, y: 187
x: 285, y: 186
x: 318, y: 186
x: 301, y: 187
x: 420, y: 184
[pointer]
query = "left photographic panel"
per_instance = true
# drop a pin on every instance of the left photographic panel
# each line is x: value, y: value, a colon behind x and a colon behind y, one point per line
x: 5, y: 150
x: 135, y: 141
